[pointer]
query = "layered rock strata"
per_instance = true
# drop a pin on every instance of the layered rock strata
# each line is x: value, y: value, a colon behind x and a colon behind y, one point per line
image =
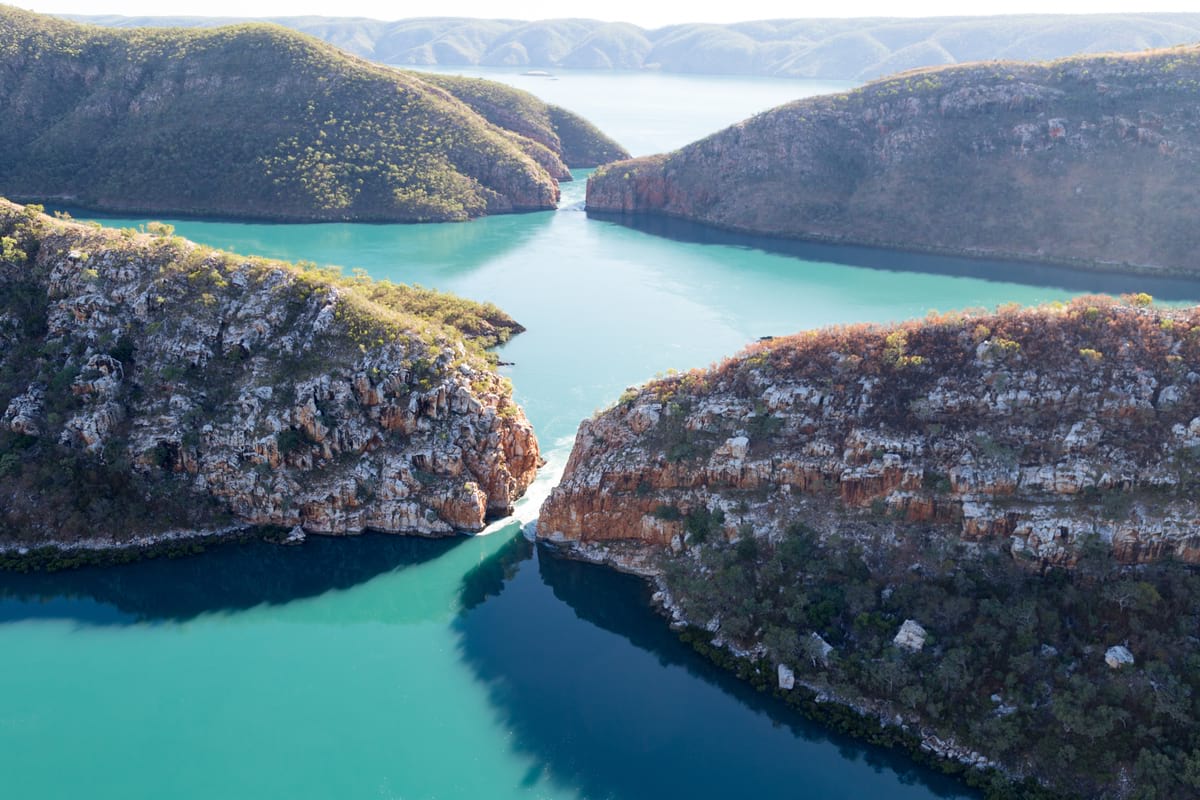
x: 207, y: 389
x: 1038, y: 432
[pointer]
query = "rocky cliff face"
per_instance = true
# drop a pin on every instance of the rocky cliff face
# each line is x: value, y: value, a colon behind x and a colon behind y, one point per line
x: 148, y: 383
x: 974, y: 530
x: 1033, y: 432
x: 1091, y: 161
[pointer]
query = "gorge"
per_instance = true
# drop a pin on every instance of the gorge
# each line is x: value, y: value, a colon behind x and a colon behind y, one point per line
x: 485, y: 666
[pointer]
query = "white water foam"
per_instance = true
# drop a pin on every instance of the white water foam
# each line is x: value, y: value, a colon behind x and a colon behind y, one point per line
x: 525, y: 510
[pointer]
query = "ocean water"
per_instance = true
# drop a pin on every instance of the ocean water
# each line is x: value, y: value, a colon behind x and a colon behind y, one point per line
x: 475, y: 667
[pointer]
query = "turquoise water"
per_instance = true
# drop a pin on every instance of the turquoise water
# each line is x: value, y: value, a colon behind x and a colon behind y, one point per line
x: 384, y: 667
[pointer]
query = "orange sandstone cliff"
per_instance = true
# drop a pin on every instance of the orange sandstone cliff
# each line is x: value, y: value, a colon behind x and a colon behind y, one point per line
x: 1034, y: 432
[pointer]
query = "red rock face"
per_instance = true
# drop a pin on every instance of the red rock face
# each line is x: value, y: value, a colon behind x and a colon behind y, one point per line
x: 1033, y: 432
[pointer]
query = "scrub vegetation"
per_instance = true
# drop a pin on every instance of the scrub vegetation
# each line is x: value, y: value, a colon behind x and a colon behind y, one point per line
x: 253, y: 121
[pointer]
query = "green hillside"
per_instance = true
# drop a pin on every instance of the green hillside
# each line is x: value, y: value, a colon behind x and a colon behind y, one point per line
x: 1092, y: 161
x: 579, y: 143
x: 252, y: 121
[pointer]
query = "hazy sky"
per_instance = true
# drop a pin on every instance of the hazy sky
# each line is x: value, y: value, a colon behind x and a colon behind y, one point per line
x: 642, y: 12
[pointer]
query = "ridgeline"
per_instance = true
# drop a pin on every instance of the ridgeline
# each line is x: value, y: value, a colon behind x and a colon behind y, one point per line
x: 258, y: 121
x: 1088, y: 161
x: 840, y: 49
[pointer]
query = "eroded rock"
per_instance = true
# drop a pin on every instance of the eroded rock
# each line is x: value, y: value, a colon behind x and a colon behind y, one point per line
x: 246, y: 388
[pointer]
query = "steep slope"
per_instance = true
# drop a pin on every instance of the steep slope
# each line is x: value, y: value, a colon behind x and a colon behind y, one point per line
x: 250, y: 121
x: 983, y: 475
x: 839, y: 49
x: 149, y: 384
x: 1090, y: 161
x: 569, y: 136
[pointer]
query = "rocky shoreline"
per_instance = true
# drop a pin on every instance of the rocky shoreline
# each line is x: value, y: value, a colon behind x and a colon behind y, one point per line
x: 910, y: 735
x: 51, y: 555
x: 154, y: 385
x: 875, y: 489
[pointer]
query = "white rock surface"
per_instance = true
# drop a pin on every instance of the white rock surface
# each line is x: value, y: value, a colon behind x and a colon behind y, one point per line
x: 1118, y: 656
x: 911, y: 636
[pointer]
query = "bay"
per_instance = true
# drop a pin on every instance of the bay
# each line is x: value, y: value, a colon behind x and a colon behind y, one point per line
x: 479, y: 667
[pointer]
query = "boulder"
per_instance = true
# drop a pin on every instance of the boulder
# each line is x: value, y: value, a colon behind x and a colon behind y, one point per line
x: 1118, y: 656
x: 911, y: 636
x: 818, y: 649
x: 295, y: 536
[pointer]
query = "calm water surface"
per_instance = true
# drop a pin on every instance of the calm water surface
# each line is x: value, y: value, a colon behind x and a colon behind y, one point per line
x: 651, y: 112
x: 477, y: 667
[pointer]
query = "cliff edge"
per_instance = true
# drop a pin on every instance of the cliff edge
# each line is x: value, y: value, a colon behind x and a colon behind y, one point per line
x: 150, y: 385
x: 1035, y: 431
x: 976, y: 530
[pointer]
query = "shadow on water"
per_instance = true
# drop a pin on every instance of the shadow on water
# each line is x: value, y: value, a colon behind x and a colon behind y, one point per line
x: 231, y: 576
x: 1028, y: 273
x: 620, y: 708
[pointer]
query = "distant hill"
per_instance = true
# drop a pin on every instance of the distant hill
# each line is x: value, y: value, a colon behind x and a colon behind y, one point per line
x: 848, y: 49
x: 566, y: 134
x: 1093, y: 161
x: 260, y: 121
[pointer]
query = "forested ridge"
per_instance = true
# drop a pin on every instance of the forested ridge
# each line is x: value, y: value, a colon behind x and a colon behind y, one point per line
x: 254, y: 121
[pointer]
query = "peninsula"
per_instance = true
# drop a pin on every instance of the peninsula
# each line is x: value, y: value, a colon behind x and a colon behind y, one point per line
x: 1089, y: 161
x: 153, y: 388
x: 970, y: 529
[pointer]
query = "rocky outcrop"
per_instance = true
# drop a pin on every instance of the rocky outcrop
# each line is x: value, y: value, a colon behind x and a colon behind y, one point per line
x: 201, y: 389
x: 943, y: 526
x: 1037, y: 432
x: 1092, y: 161
x: 911, y: 636
x: 1118, y: 656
